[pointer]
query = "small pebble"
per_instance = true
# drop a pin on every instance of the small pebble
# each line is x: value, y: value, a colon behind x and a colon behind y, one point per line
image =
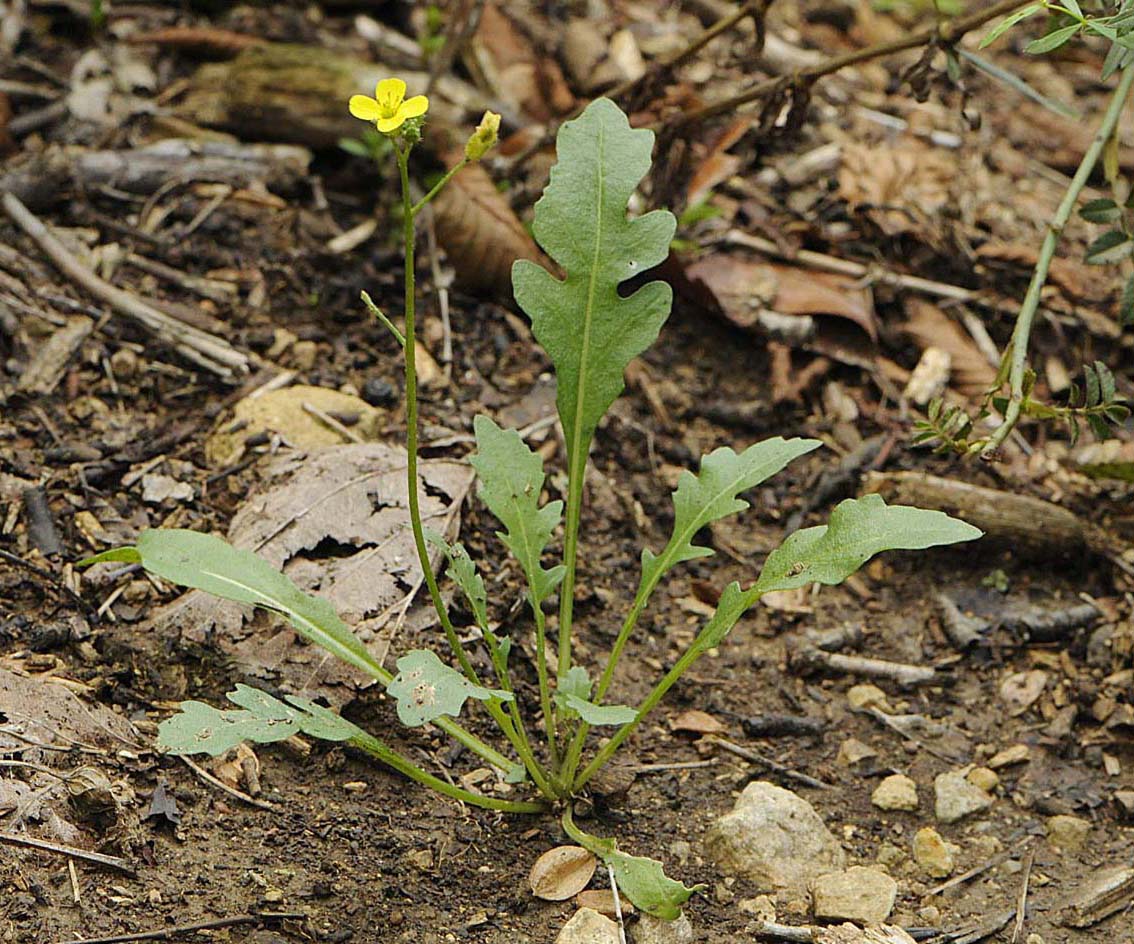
x: 378, y: 391
x: 896, y: 792
x: 932, y: 853
x: 984, y: 778
x: 1068, y: 833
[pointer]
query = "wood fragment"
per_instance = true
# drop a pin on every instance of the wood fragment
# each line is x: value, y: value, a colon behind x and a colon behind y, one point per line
x: 208, y: 351
x: 1106, y: 892
x: 766, y: 762
x: 231, y: 791
x: 900, y: 672
x: 42, y: 532
x: 964, y: 631
x: 168, y: 933
x: 1050, y: 625
x: 773, y: 725
x: 46, y: 369
x: 1022, y: 900
x: 98, y: 858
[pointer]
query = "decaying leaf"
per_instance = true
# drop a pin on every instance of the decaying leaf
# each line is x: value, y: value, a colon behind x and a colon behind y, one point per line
x: 350, y: 501
x: 901, y: 188
x: 1020, y: 690
x: 696, y: 722
x: 480, y: 234
x: 42, y: 710
x: 561, y: 873
x: 928, y: 326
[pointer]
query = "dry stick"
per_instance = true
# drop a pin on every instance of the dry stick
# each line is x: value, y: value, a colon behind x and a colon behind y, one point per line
x: 945, y: 33
x: 231, y: 791
x: 204, y: 349
x: 97, y: 857
x: 767, y: 762
x: 1022, y: 901
x: 166, y: 934
x: 1018, y: 346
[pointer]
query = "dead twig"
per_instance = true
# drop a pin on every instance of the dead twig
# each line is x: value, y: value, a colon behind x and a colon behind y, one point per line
x: 900, y: 672
x: 942, y: 34
x: 206, y: 350
x: 766, y: 762
x: 1022, y: 901
x: 231, y: 791
x: 96, y: 857
x: 165, y: 934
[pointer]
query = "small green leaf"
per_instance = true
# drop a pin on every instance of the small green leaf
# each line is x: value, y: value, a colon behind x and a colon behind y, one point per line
x: 590, y: 331
x: 1091, y: 382
x: 124, y: 555
x: 594, y: 714
x: 426, y: 688
x: 645, y: 883
x: 1107, y: 388
x: 203, y: 729
x: 462, y: 571
x: 858, y: 529
x: 511, y: 479
x: 1008, y: 22
x: 1052, y: 40
x: 193, y: 559
x: 1101, y: 211
x: 576, y: 682
x: 1111, y: 246
x: 713, y: 494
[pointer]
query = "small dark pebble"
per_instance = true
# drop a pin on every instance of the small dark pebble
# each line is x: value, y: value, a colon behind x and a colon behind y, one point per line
x: 377, y: 391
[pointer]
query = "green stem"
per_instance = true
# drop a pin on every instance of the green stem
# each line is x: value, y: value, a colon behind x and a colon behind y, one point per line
x: 392, y: 758
x: 381, y: 316
x: 411, y: 427
x: 593, y: 844
x: 523, y: 748
x: 437, y: 187
x: 1018, y: 347
x: 691, y: 655
x: 549, y: 719
x: 575, y: 475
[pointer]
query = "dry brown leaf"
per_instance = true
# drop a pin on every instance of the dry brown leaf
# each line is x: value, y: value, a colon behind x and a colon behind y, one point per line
x: 1075, y: 278
x: 561, y: 873
x: 514, y: 70
x: 42, y: 710
x: 480, y: 234
x: 717, y: 165
x: 697, y: 722
x: 602, y: 901
x: 336, y: 521
x: 928, y: 326
x: 744, y: 287
x: 901, y: 188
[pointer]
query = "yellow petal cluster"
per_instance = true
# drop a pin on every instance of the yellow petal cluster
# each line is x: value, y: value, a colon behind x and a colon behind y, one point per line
x: 389, y: 109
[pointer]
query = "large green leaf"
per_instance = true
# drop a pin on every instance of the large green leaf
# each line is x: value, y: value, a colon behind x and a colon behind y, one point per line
x: 858, y: 529
x: 193, y: 559
x: 511, y: 479
x: 202, y: 729
x: 589, y: 331
x: 712, y: 495
x: 643, y: 880
x: 426, y: 689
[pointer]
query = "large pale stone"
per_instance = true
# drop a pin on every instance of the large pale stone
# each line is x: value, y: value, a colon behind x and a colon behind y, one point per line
x: 1068, y: 833
x: 956, y: 798
x: 774, y: 839
x: 858, y: 894
x: 588, y: 927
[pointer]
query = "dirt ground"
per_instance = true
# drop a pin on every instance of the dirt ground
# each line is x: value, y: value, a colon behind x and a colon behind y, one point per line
x: 347, y: 851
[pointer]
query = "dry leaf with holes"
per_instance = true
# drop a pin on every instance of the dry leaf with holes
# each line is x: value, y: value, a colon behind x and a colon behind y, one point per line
x: 928, y: 326
x: 561, y: 873
x: 479, y: 232
x: 336, y: 521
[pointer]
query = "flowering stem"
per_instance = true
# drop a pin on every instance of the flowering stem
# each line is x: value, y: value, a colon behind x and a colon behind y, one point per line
x: 518, y: 740
x: 437, y: 187
x: 411, y: 428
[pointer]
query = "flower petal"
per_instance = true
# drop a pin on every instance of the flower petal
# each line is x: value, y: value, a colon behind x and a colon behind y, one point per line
x: 386, y: 125
x: 364, y: 107
x: 414, y: 107
x: 390, y: 93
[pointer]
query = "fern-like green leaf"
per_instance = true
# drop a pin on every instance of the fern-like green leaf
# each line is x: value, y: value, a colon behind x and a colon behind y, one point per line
x: 858, y: 529
x: 511, y: 479
x: 712, y: 495
x: 589, y: 331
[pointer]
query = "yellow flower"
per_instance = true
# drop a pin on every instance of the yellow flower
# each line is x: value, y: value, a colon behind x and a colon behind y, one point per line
x: 484, y: 138
x: 389, y: 109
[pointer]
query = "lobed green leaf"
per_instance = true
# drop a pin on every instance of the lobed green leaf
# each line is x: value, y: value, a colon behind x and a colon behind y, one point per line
x: 858, y: 529
x: 713, y: 494
x: 590, y: 332
x: 425, y: 689
x: 511, y: 480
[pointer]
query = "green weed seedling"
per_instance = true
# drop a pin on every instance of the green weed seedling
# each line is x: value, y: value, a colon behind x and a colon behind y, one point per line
x: 591, y: 332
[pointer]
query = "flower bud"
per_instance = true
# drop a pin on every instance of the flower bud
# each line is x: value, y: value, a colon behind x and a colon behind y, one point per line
x: 484, y: 138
